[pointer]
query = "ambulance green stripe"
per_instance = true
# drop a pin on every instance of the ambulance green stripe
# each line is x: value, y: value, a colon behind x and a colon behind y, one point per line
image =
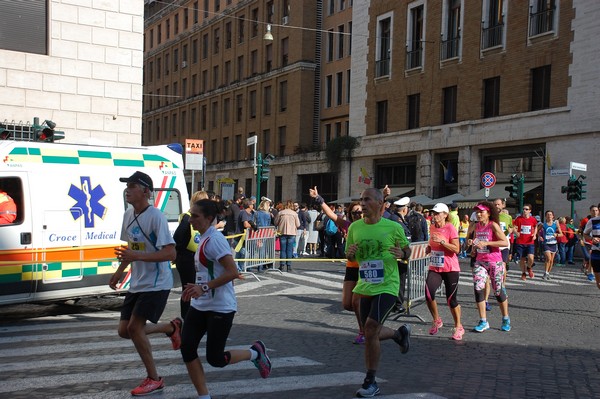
x: 34, y: 151
x: 55, y: 159
x: 95, y: 154
x: 128, y: 162
x: 10, y: 278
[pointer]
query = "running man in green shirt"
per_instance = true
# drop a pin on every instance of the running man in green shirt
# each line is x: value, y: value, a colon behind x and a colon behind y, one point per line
x: 376, y: 243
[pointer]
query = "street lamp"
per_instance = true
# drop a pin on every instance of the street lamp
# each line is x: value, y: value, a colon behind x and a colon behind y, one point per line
x: 268, y: 36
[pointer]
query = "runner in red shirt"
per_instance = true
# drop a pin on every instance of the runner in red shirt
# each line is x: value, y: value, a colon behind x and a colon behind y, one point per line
x: 525, y: 229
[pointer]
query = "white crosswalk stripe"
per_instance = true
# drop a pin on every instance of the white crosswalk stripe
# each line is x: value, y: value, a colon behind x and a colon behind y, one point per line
x: 81, y: 342
x: 330, y: 282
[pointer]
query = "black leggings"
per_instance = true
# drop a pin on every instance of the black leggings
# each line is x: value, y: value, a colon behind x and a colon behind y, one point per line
x: 216, y: 326
x: 433, y: 282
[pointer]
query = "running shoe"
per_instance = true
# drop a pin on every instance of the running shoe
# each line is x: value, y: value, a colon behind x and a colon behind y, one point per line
x: 176, y: 334
x: 505, y: 325
x: 458, y: 333
x: 590, y: 277
x: 530, y: 271
x: 402, y: 338
x: 368, y: 391
x: 482, y: 326
x: 488, y: 307
x: 436, y: 325
x: 262, y: 362
x: 360, y: 339
x: 523, y: 277
x: 148, y: 386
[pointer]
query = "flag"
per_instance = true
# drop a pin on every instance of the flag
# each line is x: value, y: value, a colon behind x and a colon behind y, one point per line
x: 448, y: 172
x: 364, y: 177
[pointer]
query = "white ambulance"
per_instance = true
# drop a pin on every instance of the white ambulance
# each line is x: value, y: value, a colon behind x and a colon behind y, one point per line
x: 70, y: 207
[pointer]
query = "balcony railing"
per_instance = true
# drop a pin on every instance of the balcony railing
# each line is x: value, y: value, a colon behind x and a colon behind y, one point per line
x: 382, y: 67
x: 541, y: 22
x: 449, y: 48
x: 414, y: 56
x: 492, y: 36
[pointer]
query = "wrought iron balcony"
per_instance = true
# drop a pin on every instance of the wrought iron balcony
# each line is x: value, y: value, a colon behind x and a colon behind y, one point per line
x: 492, y: 36
x: 414, y: 55
x: 449, y: 48
x: 382, y: 67
x: 541, y: 22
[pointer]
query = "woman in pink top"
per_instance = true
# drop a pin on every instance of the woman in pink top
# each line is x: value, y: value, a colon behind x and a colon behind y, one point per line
x: 443, y: 266
x: 488, y: 238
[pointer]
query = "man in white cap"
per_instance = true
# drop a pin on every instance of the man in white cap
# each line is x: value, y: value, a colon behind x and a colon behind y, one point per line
x: 402, y: 211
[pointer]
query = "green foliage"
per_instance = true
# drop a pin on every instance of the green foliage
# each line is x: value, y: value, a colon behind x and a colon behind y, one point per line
x: 338, y: 149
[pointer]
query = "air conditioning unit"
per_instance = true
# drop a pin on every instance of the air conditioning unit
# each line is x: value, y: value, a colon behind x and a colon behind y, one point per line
x: 184, y: 64
x: 285, y: 20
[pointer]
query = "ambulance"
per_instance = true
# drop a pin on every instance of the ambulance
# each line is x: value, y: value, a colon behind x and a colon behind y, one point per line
x: 70, y: 206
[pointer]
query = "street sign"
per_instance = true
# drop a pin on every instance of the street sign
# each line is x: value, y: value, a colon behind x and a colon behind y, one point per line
x: 251, y: 141
x: 578, y: 166
x: 488, y: 180
x: 559, y: 172
x: 194, y: 150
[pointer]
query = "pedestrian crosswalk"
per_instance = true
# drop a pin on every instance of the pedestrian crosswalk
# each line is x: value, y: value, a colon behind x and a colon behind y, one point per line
x: 81, y: 356
x: 330, y: 282
x: 71, y: 353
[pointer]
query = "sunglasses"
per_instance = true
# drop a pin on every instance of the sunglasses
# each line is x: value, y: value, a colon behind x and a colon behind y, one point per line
x: 357, y: 212
x: 526, y: 209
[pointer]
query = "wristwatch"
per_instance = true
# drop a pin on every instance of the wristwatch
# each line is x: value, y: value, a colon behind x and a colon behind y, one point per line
x: 442, y: 242
x: 205, y: 288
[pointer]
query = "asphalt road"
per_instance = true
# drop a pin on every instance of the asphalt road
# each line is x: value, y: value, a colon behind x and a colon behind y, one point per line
x: 73, y: 350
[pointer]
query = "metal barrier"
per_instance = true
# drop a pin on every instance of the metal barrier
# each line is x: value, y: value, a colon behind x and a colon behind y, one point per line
x: 259, y: 250
x: 418, y: 268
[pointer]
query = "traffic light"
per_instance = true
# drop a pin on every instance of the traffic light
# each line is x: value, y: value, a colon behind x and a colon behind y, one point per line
x: 579, y: 188
x: 45, y: 131
x: 514, y: 188
x: 265, y: 169
x: 570, y: 189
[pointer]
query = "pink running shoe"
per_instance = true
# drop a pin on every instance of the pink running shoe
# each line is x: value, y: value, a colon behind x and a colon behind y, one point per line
x: 437, y: 324
x: 458, y: 333
x: 148, y: 386
x: 176, y: 334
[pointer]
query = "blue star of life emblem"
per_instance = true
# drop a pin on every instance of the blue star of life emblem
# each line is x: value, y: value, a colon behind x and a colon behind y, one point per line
x: 87, y: 204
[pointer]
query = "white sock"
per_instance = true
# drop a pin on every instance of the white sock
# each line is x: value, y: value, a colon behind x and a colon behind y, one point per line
x: 204, y: 396
x: 253, y: 354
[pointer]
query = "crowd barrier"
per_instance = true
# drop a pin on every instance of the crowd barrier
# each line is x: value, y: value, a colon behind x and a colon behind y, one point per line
x: 418, y: 267
x: 259, y: 250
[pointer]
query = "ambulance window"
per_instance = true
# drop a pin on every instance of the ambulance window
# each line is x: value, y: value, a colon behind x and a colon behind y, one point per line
x: 11, y: 201
x: 172, y: 207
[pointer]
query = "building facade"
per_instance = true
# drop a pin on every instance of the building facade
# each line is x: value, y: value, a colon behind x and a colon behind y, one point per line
x: 211, y: 75
x: 456, y: 88
x: 435, y: 93
x: 76, y: 63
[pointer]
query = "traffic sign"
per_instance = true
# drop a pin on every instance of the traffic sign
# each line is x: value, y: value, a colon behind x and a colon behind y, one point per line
x: 488, y: 180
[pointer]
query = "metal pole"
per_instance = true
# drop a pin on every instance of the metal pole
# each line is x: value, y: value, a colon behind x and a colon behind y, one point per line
x: 257, y: 175
x: 193, y: 190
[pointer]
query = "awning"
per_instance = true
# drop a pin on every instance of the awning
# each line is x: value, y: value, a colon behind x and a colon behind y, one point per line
x: 445, y: 200
x: 344, y: 200
x: 400, y: 191
x: 420, y: 199
x: 498, y: 191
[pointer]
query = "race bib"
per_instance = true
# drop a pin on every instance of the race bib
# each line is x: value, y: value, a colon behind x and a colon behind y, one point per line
x: 526, y: 229
x: 371, y: 271
x: 137, y: 246
x: 201, y: 277
x: 436, y: 259
x: 550, y: 239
